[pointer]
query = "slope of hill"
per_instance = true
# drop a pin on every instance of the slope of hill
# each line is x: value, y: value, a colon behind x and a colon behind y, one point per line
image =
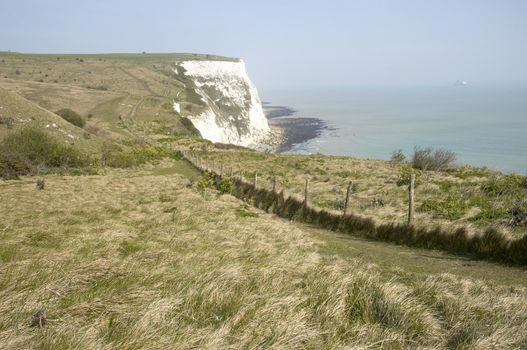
x: 17, y: 112
x: 134, y: 260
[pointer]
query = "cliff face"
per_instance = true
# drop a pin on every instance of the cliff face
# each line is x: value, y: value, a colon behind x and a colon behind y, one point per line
x: 226, y: 105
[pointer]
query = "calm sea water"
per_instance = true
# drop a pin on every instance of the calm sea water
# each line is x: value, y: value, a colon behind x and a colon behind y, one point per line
x: 484, y: 125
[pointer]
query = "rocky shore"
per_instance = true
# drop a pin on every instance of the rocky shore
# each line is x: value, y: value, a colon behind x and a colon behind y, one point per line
x: 293, y: 130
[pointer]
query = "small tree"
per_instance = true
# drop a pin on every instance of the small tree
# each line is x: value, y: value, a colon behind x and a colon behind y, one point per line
x: 397, y: 157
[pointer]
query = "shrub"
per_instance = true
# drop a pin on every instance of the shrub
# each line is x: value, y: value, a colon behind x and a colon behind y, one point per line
x: 115, y: 157
x: 397, y: 157
x: 205, y: 181
x: 25, y: 151
x: 72, y: 117
x: 403, y: 178
x: 428, y: 159
x: 225, y: 185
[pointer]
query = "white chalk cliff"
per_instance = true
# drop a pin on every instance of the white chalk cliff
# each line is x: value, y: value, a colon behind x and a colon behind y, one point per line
x: 229, y: 110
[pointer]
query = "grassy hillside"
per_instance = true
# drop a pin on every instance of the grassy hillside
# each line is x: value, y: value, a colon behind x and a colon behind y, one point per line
x: 121, y: 95
x: 463, y: 196
x: 137, y: 259
x: 144, y: 253
x: 16, y: 112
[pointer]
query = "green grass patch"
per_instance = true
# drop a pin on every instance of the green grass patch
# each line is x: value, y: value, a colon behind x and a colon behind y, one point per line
x: 244, y: 212
x: 119, y: 157
x: 127, y: 248
x: 451, y: 207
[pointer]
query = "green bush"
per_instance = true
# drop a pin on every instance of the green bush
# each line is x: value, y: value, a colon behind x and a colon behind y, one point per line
x: 72, y: 117
x: 30, y: 149
x: 205, y: 181
x: 403, y: 178
x: 225, y: 185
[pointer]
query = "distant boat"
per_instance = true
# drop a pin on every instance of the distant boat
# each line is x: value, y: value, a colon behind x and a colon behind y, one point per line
x: 460, y: 83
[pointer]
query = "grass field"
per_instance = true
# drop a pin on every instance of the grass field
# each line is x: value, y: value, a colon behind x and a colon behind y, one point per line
x: 145, y: 257
x: 136, y: 259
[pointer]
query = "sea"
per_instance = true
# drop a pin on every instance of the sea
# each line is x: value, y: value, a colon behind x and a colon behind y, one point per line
x: 484, y: 124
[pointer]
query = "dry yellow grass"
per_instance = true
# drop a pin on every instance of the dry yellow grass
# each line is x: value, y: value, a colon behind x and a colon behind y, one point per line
x: 129, y: 260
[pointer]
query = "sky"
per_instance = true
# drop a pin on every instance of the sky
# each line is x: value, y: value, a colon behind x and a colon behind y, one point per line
x: 293, y: 44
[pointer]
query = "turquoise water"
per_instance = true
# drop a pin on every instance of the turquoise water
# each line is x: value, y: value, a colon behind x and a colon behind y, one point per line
x: 483, y: 125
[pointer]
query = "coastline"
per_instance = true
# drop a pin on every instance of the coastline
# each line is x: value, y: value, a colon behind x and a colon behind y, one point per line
x: 293, y: 130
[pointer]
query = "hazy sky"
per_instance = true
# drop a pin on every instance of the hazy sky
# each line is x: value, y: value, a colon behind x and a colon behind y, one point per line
x: 293, y: 43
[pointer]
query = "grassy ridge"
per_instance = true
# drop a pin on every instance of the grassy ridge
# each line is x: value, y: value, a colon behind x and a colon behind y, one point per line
x: 130, y: 260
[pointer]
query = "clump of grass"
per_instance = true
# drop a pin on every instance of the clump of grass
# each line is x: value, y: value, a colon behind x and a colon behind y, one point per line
x: 244, y: 211
x: 72, y: 117
x: 451, y: 207
x: 127, y: 248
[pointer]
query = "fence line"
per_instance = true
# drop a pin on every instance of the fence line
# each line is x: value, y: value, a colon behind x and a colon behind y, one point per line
x: 491, y: 244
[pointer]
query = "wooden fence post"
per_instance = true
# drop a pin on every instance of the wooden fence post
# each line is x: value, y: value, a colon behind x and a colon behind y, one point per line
x: 411, y: 190
x: 348, y: 192
x: 306, y: 193
x: 274, y: 183
x: 232, y: 173
x: 221, y: 170
x: 255, y: 179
